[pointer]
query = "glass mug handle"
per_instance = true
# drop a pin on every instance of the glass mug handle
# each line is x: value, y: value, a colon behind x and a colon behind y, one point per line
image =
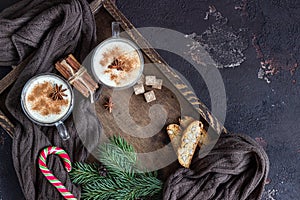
x: 115, y: 29
x: 62, y: 130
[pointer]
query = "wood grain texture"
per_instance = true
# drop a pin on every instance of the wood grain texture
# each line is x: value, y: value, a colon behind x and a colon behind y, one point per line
x: 111, y: 13
x: 6, y: 124
x: 164, y: 68
x: 95, y: 6
x: 131, y: 119
x: 11, y: 77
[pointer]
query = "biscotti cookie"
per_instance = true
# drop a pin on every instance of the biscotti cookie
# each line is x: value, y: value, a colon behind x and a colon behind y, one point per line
x: 189, y: 141
x: 175, y: 133
x: 185, y: 121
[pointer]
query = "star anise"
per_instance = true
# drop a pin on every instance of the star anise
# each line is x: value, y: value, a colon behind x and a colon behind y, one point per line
x: 57, y: 93
x: 116, y: 64
x: 108, y: 105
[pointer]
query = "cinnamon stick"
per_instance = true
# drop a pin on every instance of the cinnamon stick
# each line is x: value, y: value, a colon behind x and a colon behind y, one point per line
x: 73, y: 62
x: 81, y: 88
x: 82, y: 81
x: 64, y: 72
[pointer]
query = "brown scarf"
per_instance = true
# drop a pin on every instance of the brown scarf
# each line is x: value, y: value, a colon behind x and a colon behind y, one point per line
x: 48, y: 30
x: 235, y: 169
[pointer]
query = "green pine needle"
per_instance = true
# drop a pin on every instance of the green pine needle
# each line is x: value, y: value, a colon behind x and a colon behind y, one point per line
x: 123, y: 181
x: 83, y: 173
x: 119, y: 157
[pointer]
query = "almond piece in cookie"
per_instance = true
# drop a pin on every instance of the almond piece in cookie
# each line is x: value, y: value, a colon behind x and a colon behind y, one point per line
x: 189, y: 141
x: 185, y: 121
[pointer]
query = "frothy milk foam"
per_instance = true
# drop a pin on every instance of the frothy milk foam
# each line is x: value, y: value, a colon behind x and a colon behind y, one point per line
x: 50, y: 118
x: 105, y: 55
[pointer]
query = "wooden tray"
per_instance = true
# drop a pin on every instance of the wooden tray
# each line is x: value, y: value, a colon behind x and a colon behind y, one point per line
x: 175, y: 97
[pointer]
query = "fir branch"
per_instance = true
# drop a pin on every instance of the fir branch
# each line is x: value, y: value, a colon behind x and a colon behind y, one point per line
x: 101, y: 190
x: 123, y: 181
x: 83, y: 173
x: 114, y: 188
x: 119, y: 156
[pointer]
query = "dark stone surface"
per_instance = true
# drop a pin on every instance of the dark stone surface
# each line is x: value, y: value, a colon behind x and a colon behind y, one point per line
x: 260, y: 110
x: 270, y: 111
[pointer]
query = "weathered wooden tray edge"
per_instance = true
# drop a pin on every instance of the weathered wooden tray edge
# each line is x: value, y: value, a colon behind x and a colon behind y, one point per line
x: 9, y: 79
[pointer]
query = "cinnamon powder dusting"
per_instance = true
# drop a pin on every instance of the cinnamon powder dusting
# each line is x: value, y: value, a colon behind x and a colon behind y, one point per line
x: 109, y: 55
x: 114, y: 77
x: 40, y: 100
x: 127, y: 61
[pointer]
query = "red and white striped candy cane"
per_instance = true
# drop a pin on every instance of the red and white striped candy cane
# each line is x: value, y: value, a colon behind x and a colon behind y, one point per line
x: 48, y: 174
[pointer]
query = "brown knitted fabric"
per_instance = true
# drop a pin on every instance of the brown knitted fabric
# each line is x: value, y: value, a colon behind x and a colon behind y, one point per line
x: 236, y: 169
x: 48, y: 30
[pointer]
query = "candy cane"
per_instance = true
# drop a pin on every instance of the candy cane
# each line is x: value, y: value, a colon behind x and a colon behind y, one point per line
x: 48, y: 174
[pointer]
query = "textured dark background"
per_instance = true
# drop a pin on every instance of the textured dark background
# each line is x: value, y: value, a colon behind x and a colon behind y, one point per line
x: 256, y: 108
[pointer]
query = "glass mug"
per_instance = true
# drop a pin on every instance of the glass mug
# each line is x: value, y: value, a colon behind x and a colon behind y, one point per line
x: 48, y: 100
x: 117, y: 62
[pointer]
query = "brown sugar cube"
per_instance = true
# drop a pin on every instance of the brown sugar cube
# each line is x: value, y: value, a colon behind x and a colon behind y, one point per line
x: 150, y: 96
x: 141, y: 80
x: 139, y: 89
x: 150, y: 80
x: 158, y: 84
